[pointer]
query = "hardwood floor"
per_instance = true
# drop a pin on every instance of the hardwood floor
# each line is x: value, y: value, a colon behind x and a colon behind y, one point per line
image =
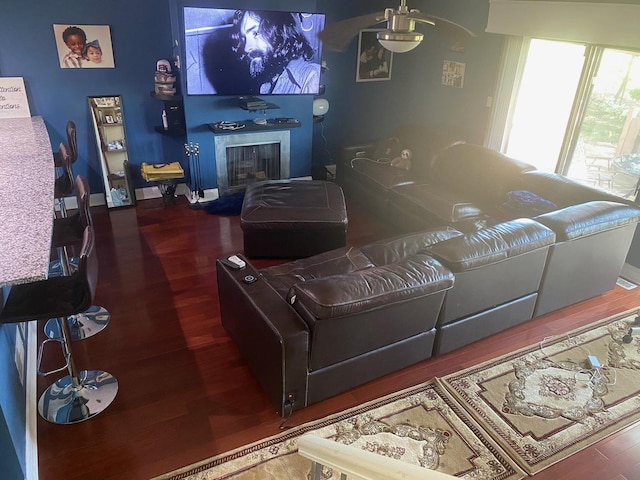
x: 184, y: 392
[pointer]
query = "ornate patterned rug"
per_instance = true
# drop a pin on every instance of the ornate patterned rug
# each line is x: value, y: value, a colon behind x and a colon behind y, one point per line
x: 500, y: 420
x: 546, y: 402
x: 421, y: 425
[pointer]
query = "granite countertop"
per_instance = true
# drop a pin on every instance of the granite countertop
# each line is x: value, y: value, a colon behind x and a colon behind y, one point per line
x: 27, y: 176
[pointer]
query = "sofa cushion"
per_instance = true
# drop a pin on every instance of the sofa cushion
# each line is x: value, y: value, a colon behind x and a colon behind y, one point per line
x: 335, y: 262
x: 379, y: 174
x: 484, y: 175
x: 369, y: 288
x: 492, y: 244
x: 391, y: 250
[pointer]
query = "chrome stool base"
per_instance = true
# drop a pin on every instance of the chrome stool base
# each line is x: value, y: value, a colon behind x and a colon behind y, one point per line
x: 81, y: 326
x: 67, y: 401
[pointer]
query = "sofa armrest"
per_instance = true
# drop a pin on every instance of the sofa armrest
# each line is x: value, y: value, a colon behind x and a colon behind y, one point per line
x: 589, y: 218
x: 370, y: 288
x: 564, y: 191
x: 272, y: 338
x: 360, y: 150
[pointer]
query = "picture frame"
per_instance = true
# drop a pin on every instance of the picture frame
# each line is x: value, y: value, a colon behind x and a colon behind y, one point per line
x: 109, y: 119
x: 453, y: 73
x: 87, y: 46
x: 374, y: 62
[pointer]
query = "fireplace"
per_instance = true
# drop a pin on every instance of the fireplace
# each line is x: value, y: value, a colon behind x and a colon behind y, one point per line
x: 244, y: 158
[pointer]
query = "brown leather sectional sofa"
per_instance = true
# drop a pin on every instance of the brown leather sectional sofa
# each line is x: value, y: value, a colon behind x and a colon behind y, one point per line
x: 473, y: 264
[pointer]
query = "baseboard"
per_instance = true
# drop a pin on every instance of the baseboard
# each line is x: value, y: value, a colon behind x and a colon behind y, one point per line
x: 31, y: 430
x: 631, y: 273
x: 146, y: 193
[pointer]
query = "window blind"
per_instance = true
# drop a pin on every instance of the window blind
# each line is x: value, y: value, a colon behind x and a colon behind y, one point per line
x: 597, y: 23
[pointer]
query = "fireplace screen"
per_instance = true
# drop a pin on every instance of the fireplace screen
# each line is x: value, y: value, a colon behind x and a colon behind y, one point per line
x: 252, y: 163
x: 249, y: 157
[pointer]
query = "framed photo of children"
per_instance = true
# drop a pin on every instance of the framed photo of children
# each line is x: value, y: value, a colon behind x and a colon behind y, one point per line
x: 374, y: 61
x: 84, y: 46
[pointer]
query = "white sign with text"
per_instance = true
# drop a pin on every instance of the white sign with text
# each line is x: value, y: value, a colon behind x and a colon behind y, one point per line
x: 13, y: 98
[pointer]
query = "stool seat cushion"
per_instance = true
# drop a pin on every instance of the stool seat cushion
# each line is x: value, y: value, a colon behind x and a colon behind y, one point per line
x: 293, y: 218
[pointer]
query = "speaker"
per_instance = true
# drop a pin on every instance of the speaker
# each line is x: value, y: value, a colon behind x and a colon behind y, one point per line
x: 175, y: 114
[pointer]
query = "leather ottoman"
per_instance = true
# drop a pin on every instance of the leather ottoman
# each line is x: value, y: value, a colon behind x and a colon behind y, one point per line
x: 293, y: 218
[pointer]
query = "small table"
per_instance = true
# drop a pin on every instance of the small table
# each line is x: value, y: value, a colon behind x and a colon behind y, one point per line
x: 629, y: 163
x: 165, y: 175
x: 293, y: 218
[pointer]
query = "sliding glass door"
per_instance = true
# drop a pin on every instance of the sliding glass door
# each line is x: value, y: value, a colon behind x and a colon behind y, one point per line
x: 606, y: 151
x: 543, y: 103
x: 573, y: 109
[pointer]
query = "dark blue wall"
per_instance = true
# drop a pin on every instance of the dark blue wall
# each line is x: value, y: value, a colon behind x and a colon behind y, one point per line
x: 141, y: 34
x: 12, y: 409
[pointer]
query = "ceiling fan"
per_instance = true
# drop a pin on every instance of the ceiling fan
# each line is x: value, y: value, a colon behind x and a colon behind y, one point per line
x: 400, y: 35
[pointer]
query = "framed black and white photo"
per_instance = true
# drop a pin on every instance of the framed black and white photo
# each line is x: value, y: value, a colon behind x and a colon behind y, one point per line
x: 374, y: 61
x: 84, y: 46
x: 108, y: 119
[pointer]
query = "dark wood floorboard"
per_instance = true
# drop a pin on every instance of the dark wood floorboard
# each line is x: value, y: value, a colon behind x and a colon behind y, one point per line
x: 184, y: 392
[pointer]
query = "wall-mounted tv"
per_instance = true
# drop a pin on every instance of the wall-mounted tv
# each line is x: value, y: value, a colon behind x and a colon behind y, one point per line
x: 251, y: 52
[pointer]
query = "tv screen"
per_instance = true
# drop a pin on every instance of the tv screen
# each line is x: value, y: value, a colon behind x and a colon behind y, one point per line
x: 251, y: 52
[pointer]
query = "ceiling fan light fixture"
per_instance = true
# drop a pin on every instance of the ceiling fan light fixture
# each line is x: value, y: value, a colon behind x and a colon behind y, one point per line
x: 399, y: 42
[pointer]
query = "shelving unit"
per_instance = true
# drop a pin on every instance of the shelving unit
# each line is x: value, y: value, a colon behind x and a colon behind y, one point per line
x: 111, y: 144
x: 173, y: 107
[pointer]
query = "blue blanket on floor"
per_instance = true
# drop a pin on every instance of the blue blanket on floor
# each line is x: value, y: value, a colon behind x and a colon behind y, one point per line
x: 230, y: 204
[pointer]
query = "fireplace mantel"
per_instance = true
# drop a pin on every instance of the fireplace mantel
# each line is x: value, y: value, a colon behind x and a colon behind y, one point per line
x: 250, y: 126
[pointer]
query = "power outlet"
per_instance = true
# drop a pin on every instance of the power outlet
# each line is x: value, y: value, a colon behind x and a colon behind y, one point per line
x: 291, y: 399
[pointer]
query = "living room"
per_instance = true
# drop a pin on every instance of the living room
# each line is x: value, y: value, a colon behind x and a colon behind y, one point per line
x: 143, y: 32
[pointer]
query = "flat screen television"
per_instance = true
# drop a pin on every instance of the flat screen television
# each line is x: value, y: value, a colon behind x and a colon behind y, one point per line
x: 251, y: 52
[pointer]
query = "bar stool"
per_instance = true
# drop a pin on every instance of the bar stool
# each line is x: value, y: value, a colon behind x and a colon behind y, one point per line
x: 64, y: 183
x: 72, y: 143
x: 63, y: 186
x: 80, y: 395
x: 67, y: 233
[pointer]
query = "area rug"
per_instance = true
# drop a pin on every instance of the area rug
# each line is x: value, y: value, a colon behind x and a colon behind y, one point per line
x: 547, y: 401
x: 420, y: 425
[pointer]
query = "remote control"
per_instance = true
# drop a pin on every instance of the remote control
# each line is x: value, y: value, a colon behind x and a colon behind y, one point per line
x: 237, y: 260
x: 234, y: 262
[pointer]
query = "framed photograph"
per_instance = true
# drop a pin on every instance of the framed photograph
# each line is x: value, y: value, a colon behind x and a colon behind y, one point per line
x: 84, y: 46
x: 108, y: 119
x: 453, y: 74
x: 374, y: 61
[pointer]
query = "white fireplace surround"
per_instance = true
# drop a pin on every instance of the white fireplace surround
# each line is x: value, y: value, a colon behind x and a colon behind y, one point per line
x: 222, y: 142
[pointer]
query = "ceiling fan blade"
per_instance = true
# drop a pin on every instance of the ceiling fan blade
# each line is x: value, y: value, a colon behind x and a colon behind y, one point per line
x: 451, y: 30
x: 337, y: 36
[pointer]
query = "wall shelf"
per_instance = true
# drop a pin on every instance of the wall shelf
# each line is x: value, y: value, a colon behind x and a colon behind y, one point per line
x: 250, y: 126
x: 173, y: 107
x: 171, y: 132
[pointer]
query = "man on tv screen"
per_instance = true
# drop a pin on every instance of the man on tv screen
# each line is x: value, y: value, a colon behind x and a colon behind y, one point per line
x: 263, y: 52
x: 277, y: 52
